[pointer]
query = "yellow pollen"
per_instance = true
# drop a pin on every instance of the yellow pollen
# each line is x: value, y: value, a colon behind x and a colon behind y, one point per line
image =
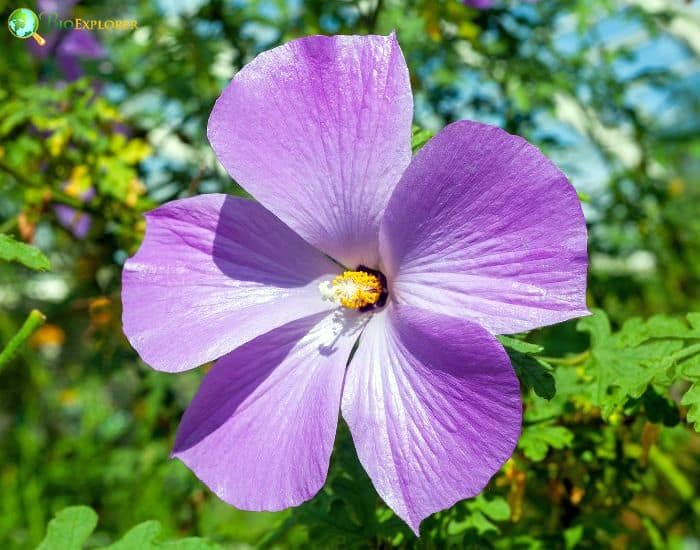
x: 356, y: 289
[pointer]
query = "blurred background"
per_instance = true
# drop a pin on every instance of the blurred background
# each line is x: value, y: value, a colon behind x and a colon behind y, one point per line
x: 98, y: 127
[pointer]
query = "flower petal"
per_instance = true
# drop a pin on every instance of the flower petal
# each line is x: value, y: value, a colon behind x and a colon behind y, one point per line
x: 77, y: 45
x: 434, y: 409
x: 479, y: 4
x: 260, y: 430
x: 212, y: 273
x: 77, y: 222
x: 319, y: 130
x: 81, y: 44
x: 501, y: 240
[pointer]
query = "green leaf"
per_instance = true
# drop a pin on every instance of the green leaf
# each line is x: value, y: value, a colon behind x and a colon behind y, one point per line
x: 496, y: 508
x: 15, y: 251
x: 476, y: 521
x: 572, y: 536
x: 691, y: 399
x: 536, y: 440
x: 69, y: 529
x: 533, y: 372
x: 622, y: 365
x: 420, y: 137
x: 480, y: 513
x: 519, y: 345
x: 142, y: 537
x: 690, y: 367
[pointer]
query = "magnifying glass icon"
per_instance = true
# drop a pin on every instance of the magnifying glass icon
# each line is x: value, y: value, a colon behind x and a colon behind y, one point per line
x: 23, y: 23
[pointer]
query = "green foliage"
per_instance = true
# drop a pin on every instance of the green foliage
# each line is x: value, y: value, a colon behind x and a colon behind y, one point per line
x: 144, y: 537
x: 691, y: 399
x: 71, y: 528
x: 34, y: 320
x: 533, y: 371
x: 29, y: 256
x: 481, y: 512
x: 642, y: 357
x: 608, y: 456
x: 419, y: 138
x: 536, y: 440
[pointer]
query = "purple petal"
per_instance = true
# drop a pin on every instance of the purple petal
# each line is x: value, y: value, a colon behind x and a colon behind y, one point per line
x: 82, y: 44
x: 212, y: 273
x: 77, y: 222
x: 434, y: 409
x: 319, y: 131
x: 77, y: 45
x: 260, y: 430
x: 479, y: 4
x: 62, y: 8
x: 500, y: 240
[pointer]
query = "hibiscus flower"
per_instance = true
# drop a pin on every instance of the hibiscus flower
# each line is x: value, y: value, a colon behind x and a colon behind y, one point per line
x: 417, y: 262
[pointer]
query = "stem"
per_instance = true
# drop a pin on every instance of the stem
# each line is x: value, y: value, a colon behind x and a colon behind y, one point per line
x: 675, y: 477
x: 33, y: 322
x: 570, y: 361
x: 687, y: 352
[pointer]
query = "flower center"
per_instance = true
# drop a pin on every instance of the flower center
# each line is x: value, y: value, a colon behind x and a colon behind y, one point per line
x: 363, y: 289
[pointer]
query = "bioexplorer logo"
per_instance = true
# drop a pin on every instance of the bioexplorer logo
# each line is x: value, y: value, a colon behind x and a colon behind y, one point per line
x: 24, y: 23
x: 53, y: 21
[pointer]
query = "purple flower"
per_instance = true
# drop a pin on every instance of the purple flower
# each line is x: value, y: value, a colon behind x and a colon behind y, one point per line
x: 76, y: 46
x: 479, y: 4
x: 77, y: 222
x: 62, y: 8
x: 70, y: 47
x: 478, y: 235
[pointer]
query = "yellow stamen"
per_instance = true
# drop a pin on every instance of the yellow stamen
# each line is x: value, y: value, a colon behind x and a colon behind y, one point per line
x: 356, y: 289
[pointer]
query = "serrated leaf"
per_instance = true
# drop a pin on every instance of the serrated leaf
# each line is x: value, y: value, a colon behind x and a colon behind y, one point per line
x: 624, y: 364
x: 635, y: 331
x: 69, y: 529
x: 519, y: 345
x: 15, y: 251
x: 536, y: 440
x: 476, y: 521
x: 534, y: 373
x: 690, y: 367
x: 691, y: 399
x: 597, y: 325
x: 480, y: 513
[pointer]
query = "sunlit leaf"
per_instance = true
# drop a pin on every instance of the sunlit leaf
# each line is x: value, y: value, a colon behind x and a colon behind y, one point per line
x: 29, y: 256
